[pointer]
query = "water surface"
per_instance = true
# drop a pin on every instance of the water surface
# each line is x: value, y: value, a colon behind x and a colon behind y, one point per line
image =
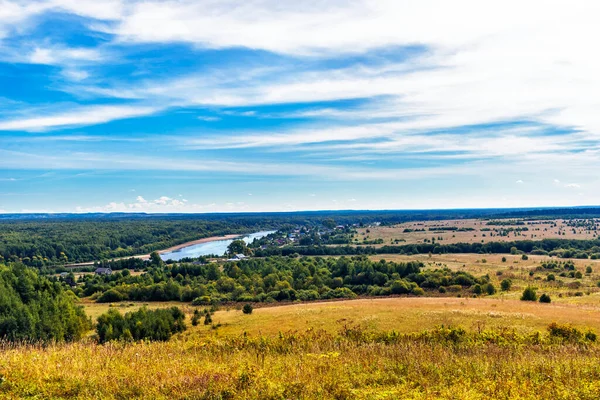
x: 217, y: 247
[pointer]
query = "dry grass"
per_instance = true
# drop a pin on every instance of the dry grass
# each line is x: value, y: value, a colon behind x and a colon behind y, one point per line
x: 233, y: 361
x: 409, y: 314
x: 541, y: 230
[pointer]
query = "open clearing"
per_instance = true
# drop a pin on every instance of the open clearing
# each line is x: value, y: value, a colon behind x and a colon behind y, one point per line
x: 476, y: 230
x: 403, y: 314
x: 408, y: 314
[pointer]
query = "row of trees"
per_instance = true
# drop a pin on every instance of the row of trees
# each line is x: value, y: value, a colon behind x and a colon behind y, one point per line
x: 275, y: 279
x: 143, y: 324
x: 564, y: 248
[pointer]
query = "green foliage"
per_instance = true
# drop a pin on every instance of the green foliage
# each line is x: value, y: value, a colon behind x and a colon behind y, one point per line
x: 32, y: 308
x: 529, y: 294
x: 238, y: 247
x: 247, y: 309
x: 155, y: 259
x: 505, y: 285
x: 490, y: 289
x: 274, y: 279
x: 569, y: 333
x: 544, y: 298
x: 196, y: 317
x: 158, y: 324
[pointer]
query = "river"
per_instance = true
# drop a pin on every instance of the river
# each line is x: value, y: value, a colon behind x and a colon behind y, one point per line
x: 217, y: 247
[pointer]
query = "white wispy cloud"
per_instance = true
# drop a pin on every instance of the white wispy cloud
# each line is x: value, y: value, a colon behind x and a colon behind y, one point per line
x: 77, y: 116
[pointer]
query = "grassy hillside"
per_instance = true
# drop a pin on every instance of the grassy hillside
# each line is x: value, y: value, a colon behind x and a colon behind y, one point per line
x: 362, y: 349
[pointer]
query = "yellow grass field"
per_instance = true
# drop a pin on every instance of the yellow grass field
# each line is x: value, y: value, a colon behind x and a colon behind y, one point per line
x: 282, y: 353
x: 405, y: 315
x: 473, y: 231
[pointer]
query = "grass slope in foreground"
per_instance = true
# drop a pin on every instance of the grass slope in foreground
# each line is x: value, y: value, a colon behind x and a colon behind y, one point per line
x: 363, y: 349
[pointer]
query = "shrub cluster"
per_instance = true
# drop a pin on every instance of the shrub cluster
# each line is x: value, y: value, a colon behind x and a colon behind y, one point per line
x: 158, y: 324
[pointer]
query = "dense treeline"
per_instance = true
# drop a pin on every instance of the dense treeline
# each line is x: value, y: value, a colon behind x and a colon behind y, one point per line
x: 566, y: 248
x: 39, y: 243
x: 143, y: 324
x: 275, y: 279
x: 35, y: 309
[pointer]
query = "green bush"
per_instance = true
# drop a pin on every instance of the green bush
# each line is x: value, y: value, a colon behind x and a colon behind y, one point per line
x: 505, y: 285
x: 247, y: 309
x: 490, y: 289
x: 529, y: 294
x: 111, y: 296
x: 545, y: 298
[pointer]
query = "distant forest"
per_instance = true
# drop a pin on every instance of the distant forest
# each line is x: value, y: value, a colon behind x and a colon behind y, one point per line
x: 51, y: 239
x: 564, y: 248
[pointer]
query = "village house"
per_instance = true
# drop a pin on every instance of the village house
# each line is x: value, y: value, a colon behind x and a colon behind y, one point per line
x: 103, y: 271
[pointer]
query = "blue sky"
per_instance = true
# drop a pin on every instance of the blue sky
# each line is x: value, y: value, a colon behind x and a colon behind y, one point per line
x: 203, y: 106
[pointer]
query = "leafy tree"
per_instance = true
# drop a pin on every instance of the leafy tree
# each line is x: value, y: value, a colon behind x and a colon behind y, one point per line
x: 505, y: 285
x: 155, y: 259
x: 329, y: 223
x: 238, y: 247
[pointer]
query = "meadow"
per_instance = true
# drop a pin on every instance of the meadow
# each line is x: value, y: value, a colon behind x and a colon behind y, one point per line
x: 477, y: 231
x: 362, y: 349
